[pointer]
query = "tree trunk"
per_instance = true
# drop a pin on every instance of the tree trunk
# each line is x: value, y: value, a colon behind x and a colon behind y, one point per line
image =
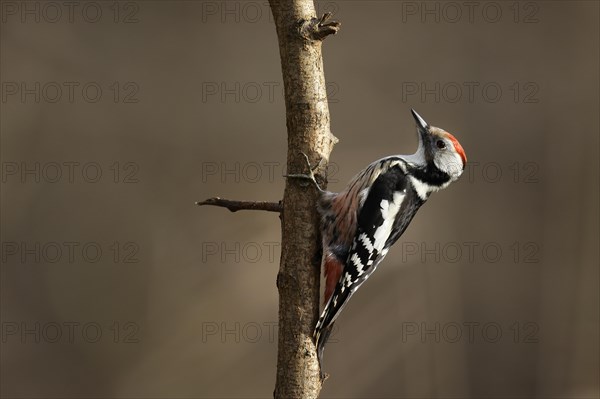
x: 300, y: 36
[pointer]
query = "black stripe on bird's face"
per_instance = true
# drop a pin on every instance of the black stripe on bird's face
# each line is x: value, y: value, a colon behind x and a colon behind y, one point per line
x: 430, y: 174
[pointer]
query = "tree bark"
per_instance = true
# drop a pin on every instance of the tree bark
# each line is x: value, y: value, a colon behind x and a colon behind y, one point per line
x: 300, y: 36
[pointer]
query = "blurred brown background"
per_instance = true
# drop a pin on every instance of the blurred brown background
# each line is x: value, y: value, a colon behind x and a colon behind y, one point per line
x: 116, y: 117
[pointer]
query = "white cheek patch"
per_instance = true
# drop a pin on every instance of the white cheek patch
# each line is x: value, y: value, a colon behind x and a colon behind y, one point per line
x: 388, y: 213
x: 450, y: 163
x: 457, y: 167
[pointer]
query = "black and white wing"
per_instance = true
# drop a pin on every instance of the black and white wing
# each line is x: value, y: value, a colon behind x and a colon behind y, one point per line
x: 386, y: 212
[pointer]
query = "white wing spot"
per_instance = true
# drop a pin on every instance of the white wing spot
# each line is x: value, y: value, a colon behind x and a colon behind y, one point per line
x: 366, y: 242
x: 348, y: 280
x: 359, y: 266
x: 388, y: 213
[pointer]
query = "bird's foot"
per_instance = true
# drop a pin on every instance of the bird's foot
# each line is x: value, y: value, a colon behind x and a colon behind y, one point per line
x: 310, y: 176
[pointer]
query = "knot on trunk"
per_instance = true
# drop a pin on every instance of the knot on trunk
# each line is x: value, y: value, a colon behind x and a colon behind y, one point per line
x: 320, y: 28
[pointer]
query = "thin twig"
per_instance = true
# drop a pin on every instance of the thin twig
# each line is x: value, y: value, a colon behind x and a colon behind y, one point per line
x: 235, y: 206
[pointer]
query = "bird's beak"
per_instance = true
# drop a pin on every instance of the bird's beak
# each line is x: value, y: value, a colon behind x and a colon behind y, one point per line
x: 422, y: 127
x: 420, y: 121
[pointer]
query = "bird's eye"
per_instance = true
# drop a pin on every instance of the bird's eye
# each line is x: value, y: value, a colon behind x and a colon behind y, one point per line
x: 440, y: 144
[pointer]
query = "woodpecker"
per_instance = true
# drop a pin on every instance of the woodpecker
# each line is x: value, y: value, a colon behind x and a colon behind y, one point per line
x: 361, y: 223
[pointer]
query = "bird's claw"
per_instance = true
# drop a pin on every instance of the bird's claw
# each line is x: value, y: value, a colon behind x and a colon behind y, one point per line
x: 310, y: 176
